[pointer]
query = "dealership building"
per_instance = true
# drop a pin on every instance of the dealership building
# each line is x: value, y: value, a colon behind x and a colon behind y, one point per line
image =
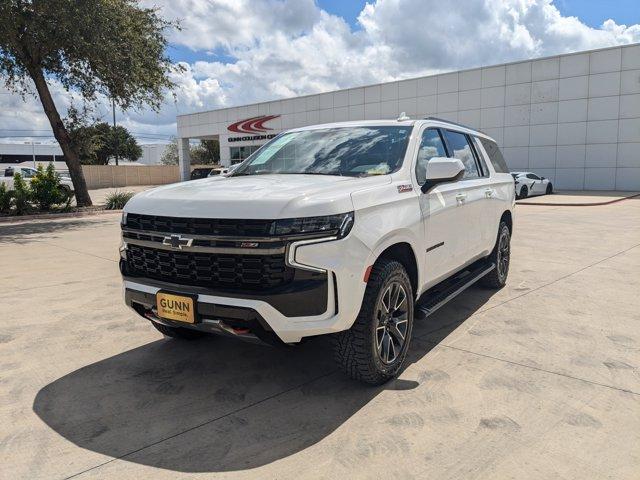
x: 32, y: 153
x: 573, y: 118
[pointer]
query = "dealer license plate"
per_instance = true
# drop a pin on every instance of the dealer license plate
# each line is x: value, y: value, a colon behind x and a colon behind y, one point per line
x: 175, y: 307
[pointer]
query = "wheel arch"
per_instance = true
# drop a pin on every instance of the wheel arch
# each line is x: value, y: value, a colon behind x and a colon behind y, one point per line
x: 403, y: 253
x: 507, y: 217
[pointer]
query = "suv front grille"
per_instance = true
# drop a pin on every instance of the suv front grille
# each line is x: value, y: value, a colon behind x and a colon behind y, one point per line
x: 200, y: 226
x: 223, y: 271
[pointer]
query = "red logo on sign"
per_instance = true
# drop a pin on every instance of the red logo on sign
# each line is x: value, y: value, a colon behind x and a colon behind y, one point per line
x: 252, y: 125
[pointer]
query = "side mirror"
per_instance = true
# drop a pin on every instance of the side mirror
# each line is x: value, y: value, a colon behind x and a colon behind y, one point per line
x: 442, y: 170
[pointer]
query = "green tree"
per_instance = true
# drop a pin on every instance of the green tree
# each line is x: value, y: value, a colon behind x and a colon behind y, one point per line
x: 206, y: 153
x: 21, y: 194
x: 170, y: 154
x: 6, y: 196
x: 83, y: 136
x: 46, y: 190
x: 94, y: 48
x: 98, y: 143
x: 116, y: 141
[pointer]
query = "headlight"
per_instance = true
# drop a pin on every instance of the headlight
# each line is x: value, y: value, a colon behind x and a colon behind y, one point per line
x: 123, y: 220
x: 333, y: 225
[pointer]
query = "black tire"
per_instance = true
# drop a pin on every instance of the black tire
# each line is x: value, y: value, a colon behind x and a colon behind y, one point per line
x: 364, y: 351
x: 501, y: 257
x: 178, y: 332
x: 549, y: 189
x: 524, y: 192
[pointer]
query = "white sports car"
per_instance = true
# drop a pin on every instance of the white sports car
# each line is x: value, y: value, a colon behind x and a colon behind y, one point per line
x: 528, y: 184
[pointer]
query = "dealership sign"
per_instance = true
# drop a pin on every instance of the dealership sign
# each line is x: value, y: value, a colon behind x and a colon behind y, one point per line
x: 253, y: 125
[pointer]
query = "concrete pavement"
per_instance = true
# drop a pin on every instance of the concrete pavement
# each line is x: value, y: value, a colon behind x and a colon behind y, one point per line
x: 539, y: 380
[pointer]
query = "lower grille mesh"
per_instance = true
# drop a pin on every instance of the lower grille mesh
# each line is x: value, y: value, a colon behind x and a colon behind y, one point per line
x: 254, y: 272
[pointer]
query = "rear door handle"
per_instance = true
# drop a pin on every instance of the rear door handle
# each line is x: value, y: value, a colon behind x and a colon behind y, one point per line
x: 460, y: 198
x: 488, y: 192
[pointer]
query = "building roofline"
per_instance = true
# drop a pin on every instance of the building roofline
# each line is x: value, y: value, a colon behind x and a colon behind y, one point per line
x: 444, y: 72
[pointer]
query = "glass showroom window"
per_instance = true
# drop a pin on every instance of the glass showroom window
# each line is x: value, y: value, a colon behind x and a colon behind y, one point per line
x: 240, y: 153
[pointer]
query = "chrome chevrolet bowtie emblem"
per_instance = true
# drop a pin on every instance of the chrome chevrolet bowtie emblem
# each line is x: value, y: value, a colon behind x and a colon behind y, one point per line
x: 176, y: 241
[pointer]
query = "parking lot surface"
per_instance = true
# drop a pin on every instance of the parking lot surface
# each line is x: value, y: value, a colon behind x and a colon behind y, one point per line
x: 538, y: 380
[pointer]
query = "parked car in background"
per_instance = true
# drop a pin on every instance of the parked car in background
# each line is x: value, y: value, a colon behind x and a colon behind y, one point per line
x: 218, y: 171
x: 28, y: 173
x: 529, y: 184
x: 198, y: 173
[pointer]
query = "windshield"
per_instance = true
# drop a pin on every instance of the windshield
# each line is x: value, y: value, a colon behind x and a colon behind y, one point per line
x: 351, y: 151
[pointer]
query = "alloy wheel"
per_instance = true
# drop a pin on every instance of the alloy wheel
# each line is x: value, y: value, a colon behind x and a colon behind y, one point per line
x: 503, y: 253
x: 392, y: 315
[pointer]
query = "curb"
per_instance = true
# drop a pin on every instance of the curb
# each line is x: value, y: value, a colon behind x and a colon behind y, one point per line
x: 584, y: 204
x: 55, y: 216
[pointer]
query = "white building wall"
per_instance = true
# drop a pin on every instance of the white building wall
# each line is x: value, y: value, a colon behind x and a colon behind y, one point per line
x: 151, y: 153
x: 573, y: 118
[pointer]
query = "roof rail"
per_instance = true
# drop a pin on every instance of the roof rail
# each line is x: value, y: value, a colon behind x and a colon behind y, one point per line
x: 453, y: 123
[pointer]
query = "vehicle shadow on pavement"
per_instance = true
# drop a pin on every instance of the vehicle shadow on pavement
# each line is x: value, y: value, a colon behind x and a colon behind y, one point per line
x: 219, y: 405
x: 20, y: 233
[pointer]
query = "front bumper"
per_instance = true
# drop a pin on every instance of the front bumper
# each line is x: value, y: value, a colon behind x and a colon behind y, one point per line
x: 320, y: 303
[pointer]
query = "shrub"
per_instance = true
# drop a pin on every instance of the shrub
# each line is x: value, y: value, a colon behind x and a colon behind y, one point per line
x: 46, y: 190
x: 21, y: 194
x: 5, y: 198
x: 117, y: 200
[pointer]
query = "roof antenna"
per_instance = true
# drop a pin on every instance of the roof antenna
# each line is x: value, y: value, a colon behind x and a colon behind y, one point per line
x: 403, y: 117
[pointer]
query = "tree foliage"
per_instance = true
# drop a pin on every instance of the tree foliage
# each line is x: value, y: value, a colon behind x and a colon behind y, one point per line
x: 46, y: 189
x: 207, y: 152
x: 170, y: 154
x: 93, y: 48
x: 21, y: 194
x: 99, y: 142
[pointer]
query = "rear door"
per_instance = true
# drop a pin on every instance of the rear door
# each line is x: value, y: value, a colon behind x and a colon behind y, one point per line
x: 475, y: 189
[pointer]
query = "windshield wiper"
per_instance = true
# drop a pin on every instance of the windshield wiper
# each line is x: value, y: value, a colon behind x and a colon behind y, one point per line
x: 269, y: 172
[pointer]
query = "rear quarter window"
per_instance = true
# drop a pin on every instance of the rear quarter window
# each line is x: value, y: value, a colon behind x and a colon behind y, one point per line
x: 495, y: 155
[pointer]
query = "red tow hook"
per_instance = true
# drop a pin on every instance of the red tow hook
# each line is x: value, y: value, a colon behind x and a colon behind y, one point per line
x: 240, y: 330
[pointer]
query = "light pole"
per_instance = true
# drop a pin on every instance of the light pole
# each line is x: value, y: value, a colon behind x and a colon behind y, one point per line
x: 33, y: 150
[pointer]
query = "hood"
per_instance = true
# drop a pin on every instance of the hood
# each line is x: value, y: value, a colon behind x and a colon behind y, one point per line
x: 254, y: 196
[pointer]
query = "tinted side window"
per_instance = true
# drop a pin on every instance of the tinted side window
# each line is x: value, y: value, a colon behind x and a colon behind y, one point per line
x: 495, y: 155
x: 482, y: 164
x: 532, y: 176
x: 430, y: 146
x: 461, y: 150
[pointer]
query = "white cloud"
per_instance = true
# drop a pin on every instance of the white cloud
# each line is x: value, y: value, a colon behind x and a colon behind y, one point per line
x: 282, y: 48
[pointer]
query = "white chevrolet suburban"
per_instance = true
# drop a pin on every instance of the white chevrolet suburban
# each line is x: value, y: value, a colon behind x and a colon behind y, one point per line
x: 349, y: 229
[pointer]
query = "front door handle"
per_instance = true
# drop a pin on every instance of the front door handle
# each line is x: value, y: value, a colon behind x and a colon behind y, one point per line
x: 460, y: 198
x: 488, y: 192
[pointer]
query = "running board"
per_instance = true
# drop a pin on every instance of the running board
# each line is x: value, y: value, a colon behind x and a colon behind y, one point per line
x: 437, y: 296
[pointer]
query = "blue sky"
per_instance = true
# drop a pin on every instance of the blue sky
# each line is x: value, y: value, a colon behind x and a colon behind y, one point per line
x: 595, y: 12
